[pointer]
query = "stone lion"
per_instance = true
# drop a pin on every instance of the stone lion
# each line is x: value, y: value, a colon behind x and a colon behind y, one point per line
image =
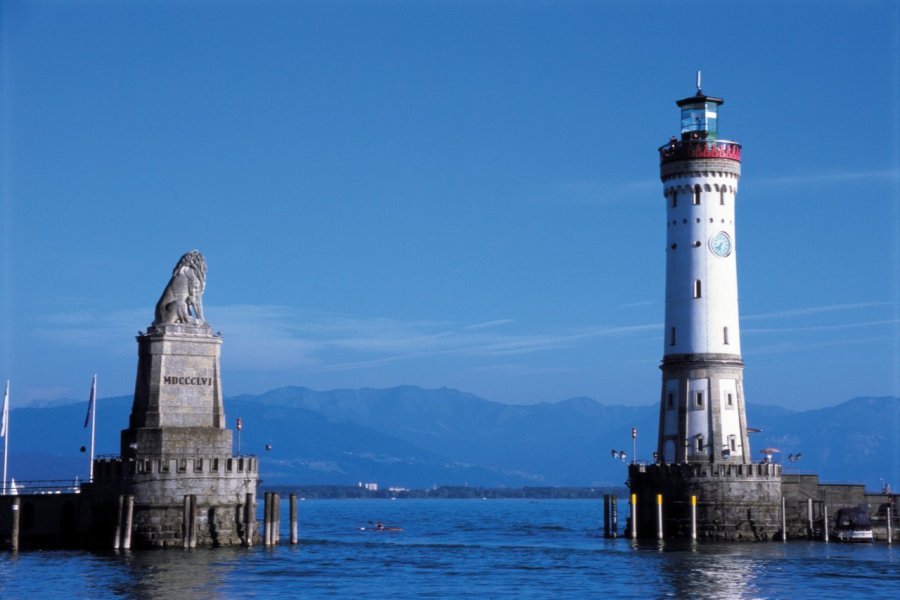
x: 184, y: 293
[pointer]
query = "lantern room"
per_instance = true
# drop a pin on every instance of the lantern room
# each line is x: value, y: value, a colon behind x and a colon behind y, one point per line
x: 699, y: 117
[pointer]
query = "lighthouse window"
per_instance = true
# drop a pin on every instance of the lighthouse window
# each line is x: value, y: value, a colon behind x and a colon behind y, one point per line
x: 672, y: 337
x: 729, y: 400
x: 697, y: 289
x: 722, y: 196
x: 674, y: 199
x: 725, y: 335
x: 670, y: 402
x: 732, y: 443
x: 699, y: 399
x: 697, y: 194
x: 699, y: 443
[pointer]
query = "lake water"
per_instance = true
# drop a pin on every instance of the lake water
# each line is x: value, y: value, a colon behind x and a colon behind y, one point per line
x: 462, y: 549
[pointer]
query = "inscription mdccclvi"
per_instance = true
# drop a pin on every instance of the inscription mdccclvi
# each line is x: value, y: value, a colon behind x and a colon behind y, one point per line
x: 172, y: 380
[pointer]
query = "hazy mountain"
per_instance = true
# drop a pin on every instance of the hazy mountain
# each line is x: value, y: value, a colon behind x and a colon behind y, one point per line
x: 412, y: 437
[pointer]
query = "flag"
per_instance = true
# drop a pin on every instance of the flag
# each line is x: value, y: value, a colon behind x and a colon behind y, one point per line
x: 5, y: 422
x: 87, y: 417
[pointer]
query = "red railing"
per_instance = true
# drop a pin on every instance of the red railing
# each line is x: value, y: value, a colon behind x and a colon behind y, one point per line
x: 682, y: 150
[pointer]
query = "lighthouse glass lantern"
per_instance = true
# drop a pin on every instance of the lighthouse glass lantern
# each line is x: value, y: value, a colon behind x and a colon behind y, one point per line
x: 700, y: 117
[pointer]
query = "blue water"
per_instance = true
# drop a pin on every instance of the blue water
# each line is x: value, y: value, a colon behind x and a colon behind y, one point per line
x: 462, y: 549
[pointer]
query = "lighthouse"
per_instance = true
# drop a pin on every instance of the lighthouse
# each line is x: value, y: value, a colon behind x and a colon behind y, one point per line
x: 703, y: 481
x: 702, y: 416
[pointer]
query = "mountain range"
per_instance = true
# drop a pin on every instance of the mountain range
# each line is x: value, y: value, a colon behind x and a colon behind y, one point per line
x: 414, y: 438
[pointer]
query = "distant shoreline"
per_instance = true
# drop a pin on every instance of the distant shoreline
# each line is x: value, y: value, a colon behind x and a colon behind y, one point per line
x: 350, y: 492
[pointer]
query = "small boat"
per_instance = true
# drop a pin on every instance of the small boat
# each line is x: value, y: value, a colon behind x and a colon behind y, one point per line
x: 380, y: 527
x: 853, y: 525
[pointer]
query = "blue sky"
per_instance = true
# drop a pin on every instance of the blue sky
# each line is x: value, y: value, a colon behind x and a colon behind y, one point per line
x: 459, y: 194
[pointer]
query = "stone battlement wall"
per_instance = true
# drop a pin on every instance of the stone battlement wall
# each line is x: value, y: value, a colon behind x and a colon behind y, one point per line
x: 115, y: 468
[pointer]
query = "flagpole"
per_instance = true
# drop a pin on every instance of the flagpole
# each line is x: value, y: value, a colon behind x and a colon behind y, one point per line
x: 5, y: 431
x: 93, y: 422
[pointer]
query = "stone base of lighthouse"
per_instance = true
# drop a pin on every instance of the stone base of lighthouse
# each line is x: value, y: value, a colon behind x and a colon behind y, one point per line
x: 734, y: 502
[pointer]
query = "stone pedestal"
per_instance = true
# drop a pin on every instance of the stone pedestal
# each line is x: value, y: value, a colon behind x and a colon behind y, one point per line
x: 734, y: 501
x: 177, y: 446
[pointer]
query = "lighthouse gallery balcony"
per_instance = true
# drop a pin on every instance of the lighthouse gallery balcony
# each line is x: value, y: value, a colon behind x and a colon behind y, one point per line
x: 689, y: 149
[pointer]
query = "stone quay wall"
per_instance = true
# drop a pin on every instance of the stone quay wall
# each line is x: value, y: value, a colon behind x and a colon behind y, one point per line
x: 735, y: 502
x: 219, y: 486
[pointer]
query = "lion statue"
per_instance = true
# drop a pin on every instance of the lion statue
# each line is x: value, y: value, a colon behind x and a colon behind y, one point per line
x: 183, y: 294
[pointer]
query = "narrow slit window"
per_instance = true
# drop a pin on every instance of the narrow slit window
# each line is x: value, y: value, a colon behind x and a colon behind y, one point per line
x: 697, y: 194
x: 699, y: 443
x: 722, y: 196
x: 697, y: 289
x: 732, y: 443
x: 670, y: 403
x: 730, y: 400
x: 725, y: 335
x: 674, y: 199
x: 672, y: 337
x: 699, y: 399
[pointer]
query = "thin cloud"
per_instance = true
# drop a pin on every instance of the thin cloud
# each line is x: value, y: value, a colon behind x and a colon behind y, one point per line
x: 814, y: 328
x: 831, y: 177
x: 273, y: 338
x: 812, y: 310
x: 490, y: 324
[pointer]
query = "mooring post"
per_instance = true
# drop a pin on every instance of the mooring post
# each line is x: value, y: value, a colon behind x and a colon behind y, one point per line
x: 783, y: 521
x: 825, y: 521
x: 809, y: 516
x: 276, y: 522
x: 129, y: 515
x: 606, y: 515
x: 270, y: 526
x: 694, y: 517
x: 634, y: 516
x: 267, y: 510
x: 890, y: 531
x: 119, y: 508
x: 194, y: 528
x: 186, y: 522
x: 293, y: 499
x: 659, y: 517
x: 614, y: 510
x: 249, y: 519
x: 14, y: 533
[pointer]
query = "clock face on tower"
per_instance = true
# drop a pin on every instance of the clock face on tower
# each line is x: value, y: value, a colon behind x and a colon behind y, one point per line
x: 720, y: 244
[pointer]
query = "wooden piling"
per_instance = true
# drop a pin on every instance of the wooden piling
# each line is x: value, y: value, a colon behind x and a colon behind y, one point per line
x: 276, y: 520
x: 194, y: 528
x: 249, y: 519
x: 266, y: 530
x: 185, y: 522
x: 606, y: 503
x: 126, y: 529
x: 809, y: 517
x: 294, y: 537
x: 267, y: 520
x: 890, y: 531
x: 825, y: 521
x: 14, y: 533
x: 783, y: 521
x: 117, y: 540
x: 614, y: 513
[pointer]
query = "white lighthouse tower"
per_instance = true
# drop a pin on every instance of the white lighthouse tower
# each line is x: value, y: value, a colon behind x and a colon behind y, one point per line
x: 704, y: 481
x: 702, y: 416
